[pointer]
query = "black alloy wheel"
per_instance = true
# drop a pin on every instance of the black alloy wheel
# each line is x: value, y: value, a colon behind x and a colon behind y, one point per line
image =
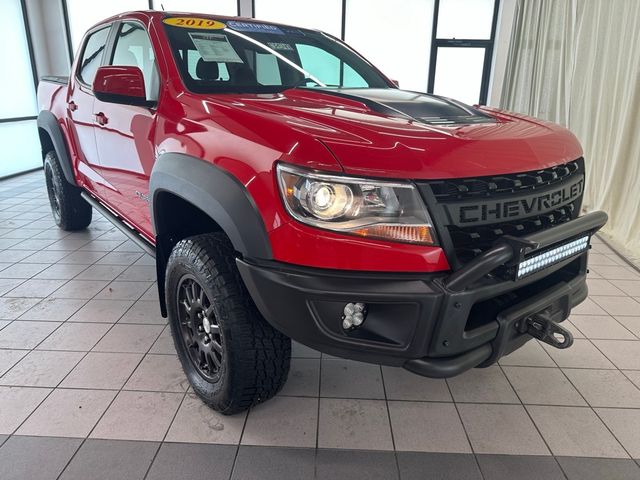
x: 199, y: 328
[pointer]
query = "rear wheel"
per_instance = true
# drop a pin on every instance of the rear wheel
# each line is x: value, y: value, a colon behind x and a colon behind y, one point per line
x: 70, y: 211
x: 232, y: 357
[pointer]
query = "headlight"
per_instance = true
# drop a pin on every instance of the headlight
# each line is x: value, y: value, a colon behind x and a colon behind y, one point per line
x: 358, y: 206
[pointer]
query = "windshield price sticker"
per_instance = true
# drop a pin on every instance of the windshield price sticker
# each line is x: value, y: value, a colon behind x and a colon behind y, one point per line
x: 195, y: 22
x: 215, y: 47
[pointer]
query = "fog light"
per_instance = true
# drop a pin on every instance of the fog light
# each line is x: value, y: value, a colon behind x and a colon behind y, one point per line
x: 354, y: 314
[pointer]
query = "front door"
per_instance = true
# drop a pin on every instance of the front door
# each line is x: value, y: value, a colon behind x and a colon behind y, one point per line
x: 125, y: 136
x: 80, y: 108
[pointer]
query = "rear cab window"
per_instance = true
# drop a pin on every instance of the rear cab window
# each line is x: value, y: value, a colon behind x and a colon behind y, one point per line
x: 92, y: 53
x: 242, y: 56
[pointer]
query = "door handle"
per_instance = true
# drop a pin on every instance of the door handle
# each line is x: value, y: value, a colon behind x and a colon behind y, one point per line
x: 72, y: 106
x: 101, y: 118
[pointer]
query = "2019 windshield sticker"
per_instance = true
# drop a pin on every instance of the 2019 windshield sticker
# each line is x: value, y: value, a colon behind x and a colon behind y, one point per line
x: 195, y: 23
x: 254, y: 27
x: 214, y: 47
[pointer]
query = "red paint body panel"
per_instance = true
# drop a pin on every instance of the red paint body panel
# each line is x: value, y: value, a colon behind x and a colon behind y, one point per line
x: 247, y: 134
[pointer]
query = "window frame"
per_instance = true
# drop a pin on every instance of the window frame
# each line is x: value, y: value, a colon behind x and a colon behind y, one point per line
x: 107, y: 48
x: 486, y: 44
x: 113, y: 41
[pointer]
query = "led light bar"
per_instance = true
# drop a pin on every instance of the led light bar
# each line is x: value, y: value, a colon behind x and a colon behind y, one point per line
x: 550, y: 257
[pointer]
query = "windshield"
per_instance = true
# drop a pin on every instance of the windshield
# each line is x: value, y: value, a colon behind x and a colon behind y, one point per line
x: 262, y: 58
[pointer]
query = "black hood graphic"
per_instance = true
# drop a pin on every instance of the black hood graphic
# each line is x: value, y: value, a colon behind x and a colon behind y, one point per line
x: 421, y: 107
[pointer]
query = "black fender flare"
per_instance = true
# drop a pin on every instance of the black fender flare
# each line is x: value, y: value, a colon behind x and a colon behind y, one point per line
x: 49, y: 123
x: 217, y: 193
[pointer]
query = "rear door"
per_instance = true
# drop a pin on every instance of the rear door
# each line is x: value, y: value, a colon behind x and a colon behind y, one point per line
x: 80, y: 107
x: 125, y: 139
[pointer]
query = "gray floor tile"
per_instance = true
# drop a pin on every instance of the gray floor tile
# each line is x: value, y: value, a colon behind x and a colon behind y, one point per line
x: 158, y: 373
x: 41, y: 368
x: 102, y: 371
x: 196, y: 422
x: 35, y: 288
x: 101, y: 272
x: 531, y: 354
x: 35, y: 458
x: 283, y: 422
x: 164, y: 343
x: 440, y: 466
x: 61, y: 271
x: 129, y: 338
x: 501, y: 429
x: 180, y: 460
x: 601, y: 327
x: 630, y: 287
x: 624, y: 354
x: 111, y: 460
x: 17, y: 404
x: 354, y: 424
x: 588, y: 307
x: 8, y: 284
x: 53, y: 309
x: 81, y: 289
x: 12, y: 308
x: 599, y: 468
x: 605, y: 388
x: 25, y: 335
x: 80, y: 337
x: 302, y: 351
x: 304, y: 378
x: 270, y: 463
x: 582, y: 354
x: 8, y: 358
x: 138, y: 416
x: 575, y: 431
x: 120, y: 290
x: 482, y: 385
x: 349, y: 379
x: 508, y: 467
x: 631, y: 323
x: 618, y: 305
x: 400, y: 384
x: 3, y: 438
x: 103, y: 311
x: 625, y: 425
x: 355, y: 465
x: 544, y: 386
x: 67, y: 413
x: 144, y: 311
x: 427, y: 427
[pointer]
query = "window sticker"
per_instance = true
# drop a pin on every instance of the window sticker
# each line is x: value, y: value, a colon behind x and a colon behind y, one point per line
x: 195, y: 22
x: 281, y: 46
x: 254, y: 27
x: 214, y: 47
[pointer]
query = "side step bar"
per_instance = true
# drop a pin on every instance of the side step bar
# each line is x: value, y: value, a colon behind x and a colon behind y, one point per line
x: 118, y: 222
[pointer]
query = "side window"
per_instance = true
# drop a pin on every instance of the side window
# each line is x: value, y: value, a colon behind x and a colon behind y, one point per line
x: 133, y: 48
x: 92, y: 55
x: 327, y: 68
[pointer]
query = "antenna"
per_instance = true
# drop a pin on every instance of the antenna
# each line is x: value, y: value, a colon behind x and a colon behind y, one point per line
x: 162, y: 7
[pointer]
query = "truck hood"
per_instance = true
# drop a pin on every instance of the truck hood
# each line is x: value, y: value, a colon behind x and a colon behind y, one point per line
x: 400, y: 134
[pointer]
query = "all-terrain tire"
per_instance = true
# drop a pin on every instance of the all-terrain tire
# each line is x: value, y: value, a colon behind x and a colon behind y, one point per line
x: 70, y: 211
x: 252, y: 364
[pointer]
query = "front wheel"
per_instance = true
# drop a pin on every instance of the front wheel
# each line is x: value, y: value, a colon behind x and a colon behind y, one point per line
x: 232, y: 357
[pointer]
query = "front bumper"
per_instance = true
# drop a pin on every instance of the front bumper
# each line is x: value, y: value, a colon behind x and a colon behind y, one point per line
x: 434, y: 324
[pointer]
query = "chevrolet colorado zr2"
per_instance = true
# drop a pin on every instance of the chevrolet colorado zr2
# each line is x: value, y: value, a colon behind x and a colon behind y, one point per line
x: 290, y: 190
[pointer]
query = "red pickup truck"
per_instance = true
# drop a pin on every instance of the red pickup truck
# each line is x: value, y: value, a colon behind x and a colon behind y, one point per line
x: 288, y: 189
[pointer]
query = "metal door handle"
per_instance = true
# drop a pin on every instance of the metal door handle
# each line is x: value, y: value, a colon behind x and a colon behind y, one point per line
x: 72, y: 106
x: 101, y: 118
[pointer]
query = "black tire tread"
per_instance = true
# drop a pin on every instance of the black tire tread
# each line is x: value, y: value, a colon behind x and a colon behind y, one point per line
x: 258, y: 355
x: 75, y: 212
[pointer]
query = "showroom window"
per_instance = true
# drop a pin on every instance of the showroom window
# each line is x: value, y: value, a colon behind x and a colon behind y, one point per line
x: 217, y: 7
x: 92, y: 55
x: 326, y: 16
x: 18, y: 105
x: 398, y: 42
x: 83, y: 14
x: 462, y: 39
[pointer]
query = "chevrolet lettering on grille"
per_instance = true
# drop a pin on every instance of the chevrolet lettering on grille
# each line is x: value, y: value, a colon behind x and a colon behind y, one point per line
x: 535, y: 203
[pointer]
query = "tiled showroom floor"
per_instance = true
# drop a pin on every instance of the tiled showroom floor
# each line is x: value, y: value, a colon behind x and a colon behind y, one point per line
x: 90, y: 387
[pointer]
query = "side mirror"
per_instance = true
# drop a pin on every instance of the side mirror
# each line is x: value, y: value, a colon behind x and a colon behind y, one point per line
x: 396, y: 83
x: 120, y: 84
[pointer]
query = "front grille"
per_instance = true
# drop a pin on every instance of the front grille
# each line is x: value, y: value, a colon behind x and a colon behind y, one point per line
x: 464, y: 242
